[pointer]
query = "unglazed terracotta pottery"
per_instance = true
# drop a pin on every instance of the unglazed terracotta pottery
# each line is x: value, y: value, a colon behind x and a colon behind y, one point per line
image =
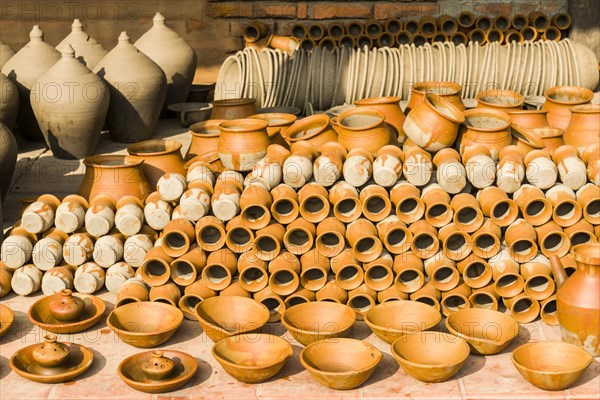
x: 362, y: 237
x: 582, y: 131
x: 39, y: 215
x: 430, y: 356
x: 559, y: 101
x: 7, y: 318
x: 205, y: 137
x: 5, y: 278
x: 529, y: 118
x: 24, y: 69
x: 40, y: 363
x: 541, y: 170
x: 472, y: 326
x: 328, y: 167
x: 243, y: 142
x: 145, y: 324
x: 114, y: 176
x: 6, y: 52
x: 8, y: 159
x: 347, y: 206
x: 390, y: 107
x: 89, y: 278
x: 65, y: 307
x: 9, y: 103
x: 407, y: 200
x: 26, y: 280
x: 278, y: 126
x: 72, y: 119
x: 314, y: 129
x: 591, y: 156
x: 487, y: 127
x: 315, y: 321
x: 447, y: 90
x: 227, y: 109
x: 160, y: 157
x: 571, y: 168
x: 87, y: 50
x: 341, y: 364
x: 250, y: 358
x: 551, y: 365
x: 502, y: 100
x: 510, y: 170
x: 173, y: 55
x: 284, y: 273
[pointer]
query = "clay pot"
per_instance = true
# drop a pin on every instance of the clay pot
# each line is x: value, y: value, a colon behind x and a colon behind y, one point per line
x: 529, y: 118
x: 510, y: 170
x: 394, y: 235
x: 57, y: 278
x: 177, y: 237
x: 347, y: 206
x: 47, y: 252
x: 5, y: 53
x: 299, y: 236
x: 541, y: 170
x: 267, y: 244
x: 225, y: 202
x: 173, y: 55
x: 358, y: 167
x: 9, y: 102
x: 210, y: 233
x: 394, y: 319
x: 100, y: 216
x: 429, y: 295
x: 479, y: 165
x: 588, y: 197
x: 496, y: 205
x: 409, y: 272
x: 205, y: 138
x: 24, y: 69
x: 501, y: 100
x: 425, y: 239
x: 487, y: 127
x: 242, y: 143
x: 378, y: 273
x: 5, y: 278
x: 314, y: 129
x: 115, y: 176
x: 539, y: 287
x: 521, y: 238
x: 433, y: 124
x: 38, y: 217
x: 133, y: 290
x: 582, y: 131
x: 17, y: 247
x: 70, y: 214
x: 160, y: 157
x: 298, y: 167
x: 278, y: 126
x: 522, y: 308
x: 168, y: 293
x: 591, y: 156
x: 348, y: 272
x: 390, y: 107
x: 315, y: 321
x: 284, y: 273
x: 580, y: 233
x: 407, y: 201
x: 72, y: 120
x: 444, y: 90
x: 567, y: 210
x: 239, y: 238
x: 486, y: 240
x: 362, y: 128
x: 87, y: 49
x: 571, y: 169
x: 476, y: 272
x: 451, y: 174
x: 376, y: 203
x: 117, y: 275
x: 327, y: 168
x: 255, y: 204
x: 560, y: 99
x: 228, y: 109
x: 332, y: 292
x: 129, y: 217
x: 526, y: 140
x: 417, y: 168
x: 171, y: 186
x: 362, y: 237
x: 186, y: 269
x: 156, y: 268
x: 284, y: 208
x: 26, y: 280
x: 268, y: 171
x: 548, y: 312
x: 314, y: 202
x: 536, y: 209
x: 387, y: 167
x: 468, y: 216
x: 253, y: 275
x: 221, y: 266
x: 437, y: 202
x: 8, y: 158
x: 51, y: 353
x: 315, y: 268
x: 157, y: 212
x: 456, y: 244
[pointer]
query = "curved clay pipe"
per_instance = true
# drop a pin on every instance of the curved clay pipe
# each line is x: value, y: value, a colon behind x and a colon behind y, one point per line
x: 513, y: 36
x: 447, y: 25
x: 529, y: 33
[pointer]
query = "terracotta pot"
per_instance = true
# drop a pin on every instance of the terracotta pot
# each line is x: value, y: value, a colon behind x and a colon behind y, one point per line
x: 347, y: 206
x: 520, y: 238
x: 409, y: 272
x: 327, y: 168
x: 362, y: 237
x: 221, y: 266
x: 160, y: 157
x: 129, y: 217
x: 523, y: 308
x: 510, y: 170
x: 560, y: 99
x: 501, y: 100
x: 582, y: 131
x: 194, y: 203
x: 156, y: 268
x: 26, y: 280
x: 71, y: 121
x: 496, y: 205
x: 456, y: 244
x: 407, y: 201
x: 298, y: 167
x: 539, y: 287
x: 17, y: 247
x: 541, y: 170
x: 299, y: 236
x: 133, y: 290
x: 225, y: 202
x: 87, y: 49
x: 425, y: 239
x: 358, y: 167
x: 157, y: 212
x: 278, y: 125
x: 242, y: 143
x: 417, y: 168
x: 47, y: 252
x: 332, y: 292
x: 116, y: 176
x: 456, y: 299
x: 210, y: 233
x: 255, y: 204
x: 487, y: 127
x: 486, y: 240
x: 450, y: 174
x: 536, y: 209
x: 394, y: 234
x: 348, y: 271
x: 254, y: 31
x: 468, y: 216
x: 476, y: 272
x: 314, y: 270
x: 253, y: 275
x: 591, y: 156
x: 479, y: 165
x: 437, y: 202
x: 283, y: 43
x: 177, y: 237
x: 8, y: 159
x: 173, y: 55
x: 39, y: 216
x: 376, y: 203
x: 5, y: 278
x: 588, y: 197
x: 361, y: 300
x: 186, y: 269
x: 445, y: 90
x: 268, y: 171
x: 117, y: 275
x: 390, y: 107
x: 267, y: 244
x: 567, y: 210
x: 205, y: 138
x: 168, y: 293
x: 6, y: 52
x: 100, y: 216
x: 227, y: 109
x: 284, y: 208
x: 284, y: 273
x: 314, y: 129
x: 57, y: 279
x: 571, y: 169
x: 433, y: 124
x: 24, y: 69
x: 485, y: 298
x: 378, y: 273
x: 529, y: 118
x: 65, y: 307
x: 314, y: 202
x: 9, y: 103
x: 70, y: 214
x: 428, y: 294
x: 387, y: 167
x: 526, y: 140
x: 442, y: 273
x: 580, y: 233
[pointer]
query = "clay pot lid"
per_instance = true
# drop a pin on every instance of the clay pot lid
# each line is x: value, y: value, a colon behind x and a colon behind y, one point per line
x: 586, y: 109
x: 243, y: 125
x: 306, y: 318
x: 569, y: 95
x: 206, y: 129
x: 460, y: 323
x: 378, y: 100
x: 435, y: 102
x: 78, y: 360
x: 490, y: 113
x: 252, y: 358
x: 131, y: 371
x: 490, y: 98
x: 374, y: 118
x: 526, y: 136
x: 439, y: 88
x: 392, y: 319
x: 39, y: 314
x: 7, y: 317
x: 308, y: 127
x: 157, y: 147
x: 551, y: 365
x: 275, y: 119
x: 587, y: 253
x: 65, y: 307
x: 112, y: 161
x: 233, y: 102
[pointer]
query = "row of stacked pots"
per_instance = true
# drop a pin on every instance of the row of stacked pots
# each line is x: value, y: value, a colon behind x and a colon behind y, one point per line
x: 67, y: 100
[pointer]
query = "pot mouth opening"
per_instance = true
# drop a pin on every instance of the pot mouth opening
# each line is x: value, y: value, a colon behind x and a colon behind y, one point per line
x: 154, y: 147
x: 569, y: 95
x: 586, y: 109
x: 588, y: 253
x: 112, y: 161
x: 284, y: 207
x: 275, y: 119
x: 547, y: 132
x: 358, y: 119
x: 243, y: 125
x: 500, y: 98
x: 437, y: 88
x: 308, y: 127
x: 234, y: 102
x: 445, y: 108
x: 378, y: 100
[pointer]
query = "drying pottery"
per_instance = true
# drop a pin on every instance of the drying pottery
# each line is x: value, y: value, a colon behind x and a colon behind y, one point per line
x: 361, y: 300
x: 378, y: 274
x: 8, y: 158
x: 445, y: 90
x: 5, y: 278
x: 71, y: 120
x: 529, y: 118
x: 70, y: 214
x: 510, y: 170
x: 7, y: 318
x: 541, y: 170
x: 284, y: 273
x: 347, y: 206
x: 376, y: 203
x: 332, y: 292
x: 65, y: 307
x: 520, y: 238
x: 479, y: 165
x: 342, y: 364
x: 358, y: 167
x: 473, y: 325
x: 535, y: 207
x: 242, y: 143
x: 394, y: 235
x: 155, y: 269
x: 315, y: 321
x: 173, y: 55
x: 566, y: 209
x: 255, y: 204
x: 430, y: 356
x: 89, y: 278
x: 588, y: 197
x: 393, y: 319
x: 390, y: 107
x: 348, y: 272
x: 487, y: 127
x: 327, y: 168
x: 314, y: 129
x: 299, y: 236
x: 24, y: 69
x: 26, y: 280
x: 36, y: 364
x: 417, y: 168
x: 571, y: 169
x: 409, y: 272
x: 225, y: 316
x: 437, y: 201
x: 191, y: 113
x: 133, y: 290
x: 157, y: 371
x: 38, y: 217
x: 433, y: 124
x: 522, y: 308
x: 551, y: 365
x: 314, y: 203
x: 315, y: 267
x: 468, y: 216
x: 582, y: 131
x: 591, y: 157
x: 407, y: 200
x: 560, y: 99
x: 87, y: 50
x: 362, y: 237
x: 278, y: 126
x: 227, y: 109
x: 205, y: 138
x: 298, y: 167
x: 268, y: 171
x: 456, y: 244
x: 284, y: 208
x: 6, y: 52
x: 501, y: 100
x: 362, y: 128
x: 169, y: 293
x: 387, y: 167
x: 100, y: 216
x: 450, y: 174
x: 9, y: 102
x: 252, y: 359
x: 496, y: 205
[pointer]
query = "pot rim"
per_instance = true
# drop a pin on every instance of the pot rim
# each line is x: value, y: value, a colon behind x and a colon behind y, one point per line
x: 137, y: 149
x: 500, y: 115
x: 420, y: 86
x: 585, y: 95
x: 339, y: 341
x: 299, y: 126
x: 377, y: 100
x: 497, y: 316
x: 554, y: 343
x: 457, y: 117
x: 233, y: 102
x: 556, y: 132
x: 484, y: 94
x: 127, y: 161
x: 585, y: 109
x: 526, y: 136
x: 527, y: 112
x: 165, y: 307
x: 581, y: 253
x: 222, y: 359
x: 203, y: 129
x: 448, y: 336
x: 243, y: 125
x: 289, y: 118
x: 364, y: 111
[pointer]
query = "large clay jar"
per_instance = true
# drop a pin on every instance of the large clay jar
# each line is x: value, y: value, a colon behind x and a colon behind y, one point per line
x: 489, y: 128
x: 501, y: 100
x: 70, y: 115
x: 137, y: 91
x: 529, y: 118
x: 433, y: 124
x: 115, y: 176
x: 24, y: 69
x: 583, y: 131
x: 243, y: 143
x: 160, y: 157
x: 173, y: 55
x: 87, y: 49
x: 447, y: 90
x: 578, y: 300
x: 362, y: 128
x: 233, y: 108
x: 8, y: 159
x: 9, y: 102
x: 314, y: 129
x: 205, y: 138
x: 5, y: 53
x: 560, y: 99
x: 390, y: 106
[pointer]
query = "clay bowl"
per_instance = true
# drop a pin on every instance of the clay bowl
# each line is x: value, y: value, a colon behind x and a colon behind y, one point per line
x: 7, y: 318
x: 318, y: 320
x: 39, y: 314
x: 430, y: 356
x: 131, y: 372
x: 340, y: 364
x: 486, y: 331
x: 252, y: 358
x: 145, y: 324
x: 78, y: 361
x: 551, y: 365
x: 224, y: 316
x: 392, y: 319
x: 190, y: 113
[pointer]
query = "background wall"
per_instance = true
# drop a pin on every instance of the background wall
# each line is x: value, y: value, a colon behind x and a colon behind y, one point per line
x: 213, y: 28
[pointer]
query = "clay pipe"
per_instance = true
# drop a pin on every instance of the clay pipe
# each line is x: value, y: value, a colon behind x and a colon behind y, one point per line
x: 502, y: 23
x: 465, y: 21
x: 254, y: 32
x: 539, y: 21
x: 519, y: 21
x: 484, y: 23
x: 298, y: 31
x: 562, y: 21
x: 336, y: 31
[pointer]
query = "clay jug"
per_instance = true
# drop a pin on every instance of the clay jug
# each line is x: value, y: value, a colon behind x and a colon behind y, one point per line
x: 173, y: 55
x: 87, y: 49
x: 8, y: 159
x: 65, y: 307
x: 9, y: 102
x: 578, y: 299
x: 390, y: 106
x: 70, y: 115
x: 583, y: 131
x: 5, y: 53
x: 243, y: 142
x: 137, y: 91
x: 24, y: 69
